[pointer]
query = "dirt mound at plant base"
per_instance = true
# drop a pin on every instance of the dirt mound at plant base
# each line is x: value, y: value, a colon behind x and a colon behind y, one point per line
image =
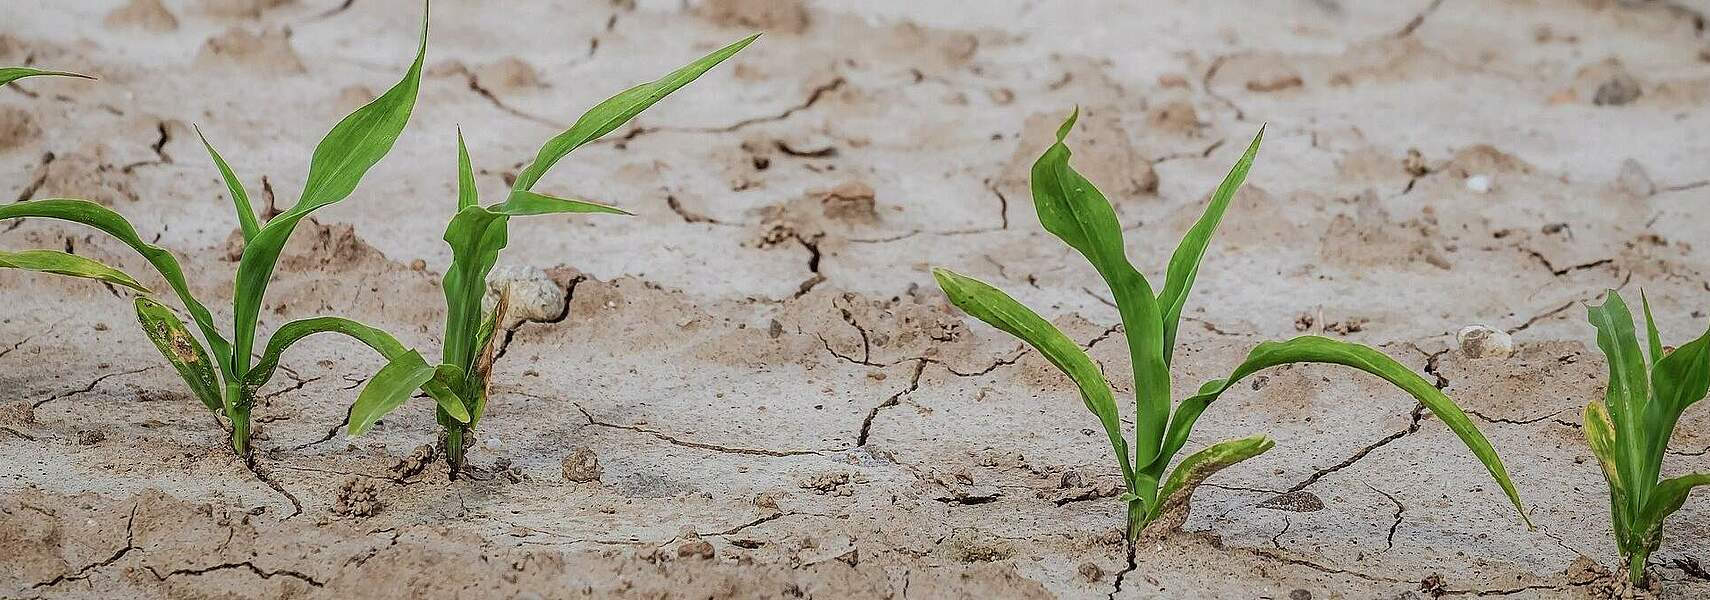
x: 155, y: 546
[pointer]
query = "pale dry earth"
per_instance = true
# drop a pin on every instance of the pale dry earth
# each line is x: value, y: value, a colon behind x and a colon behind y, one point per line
x: 779, y: 401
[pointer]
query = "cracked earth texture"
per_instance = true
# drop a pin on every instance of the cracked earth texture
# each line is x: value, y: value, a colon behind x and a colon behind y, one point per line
x: 756, y: 391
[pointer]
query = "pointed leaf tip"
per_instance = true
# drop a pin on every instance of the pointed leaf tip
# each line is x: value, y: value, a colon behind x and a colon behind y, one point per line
x: 1068, y: 124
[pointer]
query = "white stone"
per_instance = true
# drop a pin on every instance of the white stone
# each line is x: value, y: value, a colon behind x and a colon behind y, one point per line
x: 1480, y: 341
x: 1479, y: 184
x: 533, y: 295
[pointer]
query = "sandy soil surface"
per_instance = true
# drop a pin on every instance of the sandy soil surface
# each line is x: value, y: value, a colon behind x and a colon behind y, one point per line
x: 753, y: 389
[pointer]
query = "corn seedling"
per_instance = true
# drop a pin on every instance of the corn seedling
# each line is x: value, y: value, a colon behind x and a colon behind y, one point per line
x: 1073, y: 210
x: 476, y: 234
x: 221, y: 373
x: 1629, y: 429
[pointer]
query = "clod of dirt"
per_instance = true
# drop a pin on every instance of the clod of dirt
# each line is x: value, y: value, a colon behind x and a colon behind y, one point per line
x: 1414, y: 163
x: 147, y: 15
x: 1621, y: 88
x: 507, y: 74
x: 694, y: 547
x: 86, y: 175
x: 415, y: 463
x: 1481, y: 341
x: 582, y: 466
x: 1299, y: 594
x: 829, y: 483
x: 851, y: 201
x: 16, y: 127
x: 971, y: 546
x: 268, y: 52
x: 533, y: 295
x: 780, y: 16
x: 1634, y: 180
x: 1090, y: 572
x: 323, y: 246
x: 90, y: 437
x: 357, y: 498
x: 1175, y: 116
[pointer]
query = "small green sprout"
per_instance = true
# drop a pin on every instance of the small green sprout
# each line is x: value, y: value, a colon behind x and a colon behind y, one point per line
x: 1076, y: 212
x: 476, y: 235
x: 1629, y: 429
x: 225, y: 380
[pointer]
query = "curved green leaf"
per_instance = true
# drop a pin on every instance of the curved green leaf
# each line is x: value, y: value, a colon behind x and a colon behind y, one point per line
x: 182, y: 350
x: 476, y: 236
x: 1184, y: 264
x: 1668, y: 497
x: 396, y: 382
x: 240, y: 198
x: 347, y: 152
x: 526, y: 203
x: 388, y: 390
x: 1600, y: 435
x: 1314, y: 349
x: 997, y: 309
x: 71, y: 265
x: 11, y: 74
x: 1074, y: 210
x: 100, y: 217
x: 291, y: 332
x: 1199, y: 466
x: 617, y: 110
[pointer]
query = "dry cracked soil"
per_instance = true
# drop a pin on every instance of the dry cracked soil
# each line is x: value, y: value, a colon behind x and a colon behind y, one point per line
x: 753, y: 390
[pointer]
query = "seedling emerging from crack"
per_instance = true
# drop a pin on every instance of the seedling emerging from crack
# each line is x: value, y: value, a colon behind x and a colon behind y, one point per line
x: 476, y: 235
x: 226, y: 380
x: 1076, y: 212
x: 1629, y: 429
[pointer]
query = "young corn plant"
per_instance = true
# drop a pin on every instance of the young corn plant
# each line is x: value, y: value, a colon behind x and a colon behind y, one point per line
x: 476, y: 234
x: 1076, y: 212
x: 223, y: 374
x: 1629, y: 429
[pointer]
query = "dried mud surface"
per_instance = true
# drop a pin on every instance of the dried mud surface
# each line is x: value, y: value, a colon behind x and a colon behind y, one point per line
x: 754, y: 391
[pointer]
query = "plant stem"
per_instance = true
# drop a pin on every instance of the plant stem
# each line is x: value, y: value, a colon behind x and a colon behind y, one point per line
x: 1136, y: 520
x: 455, y: 448
x: 1636, y: 567
x: 237, y: 411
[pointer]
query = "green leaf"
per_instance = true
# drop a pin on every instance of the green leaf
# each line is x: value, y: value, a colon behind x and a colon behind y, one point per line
x: 997, y: 309
x: 240, y: 198
x: 11, y: 74
x: 72, y: 265
x: 182, y: 350
x: 617, y: 110
x: 1628, y: 394
x: 1072, y: 209
x: 1668, y: 497
x: 1681, y: 379
x: 1184, y: 264
x: 467, y: 194
x: 292, y: 332
x: 388, y: 390
x: 347, y: 152
x: 1199, y: 466
x: 476, y: 235
x: 526, y: 203
x: 1314, y: 349
x: 100, y: 217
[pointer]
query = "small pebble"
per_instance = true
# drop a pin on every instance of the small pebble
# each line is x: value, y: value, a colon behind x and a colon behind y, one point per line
x: 1479, y: 184
x: 1480, y: 341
